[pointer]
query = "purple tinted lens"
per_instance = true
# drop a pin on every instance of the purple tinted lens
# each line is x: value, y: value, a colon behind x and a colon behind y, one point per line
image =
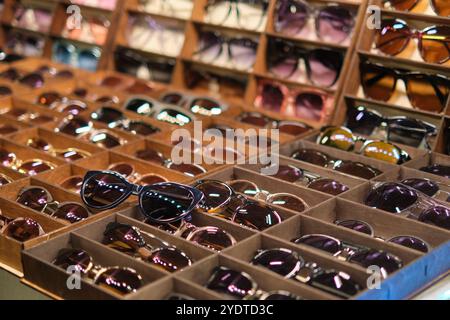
x: 392, y: 197
x: 320, y: 242
x: 272, y: 97
x: 329, y: 186
x: 290, y: 17
x: 312, y: 156
x: 73, y: 257
x: 334, y: 24
x: 410, y: 242
x: 10, y: 74
x: 357, y: 169
x: 438, y: 169
x: 33, y: 80
x: 309, y: 106
x: 71, y: 212
x: 289, y: 173
x: 281, y: 261
x: 339, y: 284
x: 172, y: 98
x: 356, y: 225
x: 386, y: 261
x: 103, y: 190
x: 243, y: 52
x: 284, y: 67
x: 324, y: 67
x: 438, y: 216
x: 426, y: 186
x: 232, y: 282
x: 257, y: 216
x: 210, y: 46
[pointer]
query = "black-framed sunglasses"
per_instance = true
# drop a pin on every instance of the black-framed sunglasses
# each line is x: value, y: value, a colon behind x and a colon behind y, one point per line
x: 202, y: 105
x: 160, y: 203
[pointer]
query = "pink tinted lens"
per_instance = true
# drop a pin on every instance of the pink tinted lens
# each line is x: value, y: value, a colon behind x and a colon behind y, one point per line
x: 309, y: 106
x: 334, y: 24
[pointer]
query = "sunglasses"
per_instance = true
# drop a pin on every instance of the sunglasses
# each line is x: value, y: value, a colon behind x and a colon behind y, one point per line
x: 204, y: 106
x: 20, y: 229
x: 60, y: 104
x: 69, y: 154
x: 440, y: 7
x: 173, y: 8
x: 160, y: 203
x: 9, y: 57
x: 365, y: 257
x: 41, y: 200
x: 428, y: 92
x: 437, y: 169
x: 303, y: 103
x: 306, y: 178
x: 31, y: 117
x: 240, y: 52
x: 67, y: 53
x: 5, y: 91
x: 400, y: 129
x: 403, y: 200
x: 72, y: 184
x: 32, y: 80
x: 26, y: 167
x: 342, y: 138
x: 92, y: 30
x: 116, y: 119
x: 293, y: 128
x: 153, y: 156
x: 91, y: 96
x: 6, y: 129
x: 405, y: 241
x: 129, y: 172
x: 333, y: 23
x: 321, y: 159
x: 77, y: 126
x: 34, y: 19
x: 395, y: 35
x: 249, y: 15
x: 290, y: 265
x: 323, y: 66
x: 129, y: 239
x: 430, y: 188
x: 241, y: 285
x: 221, y: 200
x: 120, y: 280
x: 146, y: 106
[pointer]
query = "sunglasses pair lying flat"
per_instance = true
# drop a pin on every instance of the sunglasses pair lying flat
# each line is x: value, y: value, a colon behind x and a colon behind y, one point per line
x: 20, y: 229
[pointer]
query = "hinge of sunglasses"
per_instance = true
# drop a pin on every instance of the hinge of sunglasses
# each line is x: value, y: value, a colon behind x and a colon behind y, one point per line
x: 137, y: 189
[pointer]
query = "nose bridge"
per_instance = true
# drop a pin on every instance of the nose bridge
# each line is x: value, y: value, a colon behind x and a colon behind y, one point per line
x: 137, y: 189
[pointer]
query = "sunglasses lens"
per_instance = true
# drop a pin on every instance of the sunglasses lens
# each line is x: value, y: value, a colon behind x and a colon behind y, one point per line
x: 293, y: 128
x: 206, y: 107
x: 72, y: 257
x: 39, y: 144
x: 187, y: 169
x: 442, y: 7
x: 32, y: 168
x: 80, y: 92
x: 4, y: 180
x: 33, y: 80
x: 169, y: 259
x: 256, y: 216
x: 272, y: 97
x: 71, y: 212
x: 393, y: 37
x: 7, y: 158
x: 309, y: 106
x: 336, y: 283
x: 139, y: 87
x: 217, y: 195
x: 362, y: 121
x: 120, y: 280
x: 245, y: 187
x: 123, y: 169
x: 141, y: 128
x: 140, y: 106
x: 311, y: 156
x: 7, y: 129
x: 49, y: 98
x: 392, y: 197
x: 329, y: 186
x: 325, y: 66
x: 5, y: 91
x: 422, y: 92
x: 23, y: 229
x: 340, y: 138
x: 406, y: 131
x: 151, y: 179
x: 334, y: 24
x: 105, y: 140
x: 123, y: 238
x: 377, y: 82
x: 410, y: 242
x: 356, y: 225
x: 425, y: 186
x: 255, y: 119
x: 291, y: 17
x: 73, y: 184
x: 167, y: 202
x: 232, y: 282
x: 320, y: 242
x: 438, y: 169
x: 151, y: 155
x: 356, y: 169
x: 34, y: 198
x: 103, y: 190
x: 281, y: 261
x: 75, y: 126
x: 289, y: 173
x: 386, y: 261
x: 174, y: 117
x: 438, y: 216
x: 287, y: 201
x: 71, y: 155
x: 107, y: 115
x: 212, y: 238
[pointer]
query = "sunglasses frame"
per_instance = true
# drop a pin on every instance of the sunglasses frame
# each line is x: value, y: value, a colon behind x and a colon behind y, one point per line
x: 187, y: 101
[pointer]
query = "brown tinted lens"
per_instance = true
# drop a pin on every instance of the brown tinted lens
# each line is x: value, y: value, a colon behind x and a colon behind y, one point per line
x: 108, y: 99
x: 328, y: 186
x: 7, y: 129
x: 442, y: 7
x: 49, y: 98
x: 206, y: 107
x: 105, y: 140
x: 23, y: 229
x: 427, y: 93
x: 393, y: 37
x: 378, y: 82
x: 74, y: 257
x: 257, y: 216
x: 71, y: 212
x: 293, y: 128
x: 7, y: 158
x: 73, y: 108
x: 169, y: 259
x: 287, y: 201
x: 216, y: 195
x: 312, y: 156
x: 34, y: 198
x: 150, y: 179
x: 340, y: 138
x: 403, y: 5
x: 187, y: 169
x: 212, y: 238
x: 357, y: 169
x: 245, y: 187
x: 39, y: 144
x: 141, y: 128
x: 71, y: 155
x: 124, y: 169
x: 151, y: 155
x: 75, y: 126
x: 73, y: 184
x: 382, y: 151
x: 256, y: 119
x: 111, y: 81
x: 34, y: 167
x: 124, y: 238
x: 119, y: 280
x: 103, y: 190
x: 434, y: 44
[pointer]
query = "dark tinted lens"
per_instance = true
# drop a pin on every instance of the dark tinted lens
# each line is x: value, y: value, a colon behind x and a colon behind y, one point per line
x: 173, y: 116
x: 212, y: 238
x: 71, y: 212
x: 206, y: 107
x: 49, y: 98
x: 10, y: 74
x: 75, y: 126
x: 123, y: 238
x: 4, y: 180
x: 309, y: 105
x: 386, y: 261
x: 23, y: 229
x: 72, y: 184
x: 140, y: 106
x: 187, y: 169
x: 120, y: 280
x: 7, y: 129
x: 438, y: 169
x: 363, y: 121
x: 339, y: 284
x: 107, y: 115
x: 356, y: 225
x: 357, y: 169
x: 287, y: 201
x: 410, y: 242
x: 255, y: 119
x: 289, y: 173
x: 169, y: 259
x: 140, y: 87
x: 425, y: 186
x: 272, y: 97
x: 232, y: 282
x: 103, y: 190
x: 325, y: 67
x: 329, y: 186
x: 166, y: 202
x: 124, y: 169
x: 141, y: 128
x: 80, y: 92
x: 111, y: 81
x: 73, y: 257
x: 216, y: 195
x: 312, y: 156
x: 172, y: 98
x: 256, y: 216
x: 7, y: 158
x: 293, y: 128
x: 291, y: 17
x: 33, y: 80
x: 71, y: 155
x: 406, y: 131
x: 281, y: 261
x: 5, y: 91
x: 32, y: 168
x: 151, y: 155
x: 105, y: 140
x: 245, y: 187
x: 438, y: 216
x: 391, y: 197
x: 320, y: 242
x: 334, y: 24
x: 34, y: 198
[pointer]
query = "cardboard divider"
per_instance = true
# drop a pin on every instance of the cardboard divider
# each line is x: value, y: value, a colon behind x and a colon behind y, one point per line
x: 265, y: 280
x: 38, y: 268
x: 428, y: 160
x: 11, y: 174
x: 7, y: 121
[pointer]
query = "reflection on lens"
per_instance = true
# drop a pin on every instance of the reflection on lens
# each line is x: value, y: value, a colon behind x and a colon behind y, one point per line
x: 340, y: 138
x: 217, y: 195
x: 212, y: 238
x: 34, y: 198
x: 169, y: 259
x: 71, y: 212
x: 371, y: 257
x: 79, y: 259
x: 320, y: 242
x: 338, y: 283
x: 282, y: 261
x: 410, y: 242
x: 356, y: 225
x: 392, y: 197
x: 103, y: 190
x: 436, y: 215
x: 123, y: 238
x: 231, y: 282
x: 120, y: 280
x: 23, y: 229
x: 328, y: 186
x: 425, y: 186
x: 256, y: 216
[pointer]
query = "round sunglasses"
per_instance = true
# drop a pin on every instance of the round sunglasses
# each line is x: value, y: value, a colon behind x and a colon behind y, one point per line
x: 20, y: 229
x: 26, y: 167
